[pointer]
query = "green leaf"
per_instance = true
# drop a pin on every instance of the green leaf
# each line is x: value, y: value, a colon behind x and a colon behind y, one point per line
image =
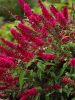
x: 50, y: 93
x: 29, y: 63
x: 41, y: 66
x: 47, y: 98
x: 68, y: 90
x: 62, y: 1
x: 37, y: 97
x: 73, y: 75
x: 14, y: 73
x: 53, y: 74
x: 39, y: 74
x: 63, y: 69
x: 21, y: 78
x: 73, y: 1
x: 60, y: 90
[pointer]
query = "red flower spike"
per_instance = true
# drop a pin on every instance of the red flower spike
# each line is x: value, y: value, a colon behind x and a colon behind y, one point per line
x: 14, y: 33
x: 47, y: 56
x: 65, y: 12
x: 44, y: 10
x: 72, y: 62
x: 28, y: 56
x: 61, y: 19
x: 66, y: 39
x: 50, y: 20
x: 66, y: 79
x: 3, y: 71
x: 49, y: 40
x: 8, y: 43
x: 27, y: 10
x: 53, y: 10
x: 10, y: 80
x: 19, y: 37
x: 38, y: 41
x: 26, y: 31
x: 57, y: 86
x: 24, y: 98
x: 28, y: 93
x: 7, y: 63
x: 3, y: 88
x: 50, y: 87
x: 61, y: 35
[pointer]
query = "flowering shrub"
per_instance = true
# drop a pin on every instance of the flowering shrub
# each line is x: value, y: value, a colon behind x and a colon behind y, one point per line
x: 41, y: 64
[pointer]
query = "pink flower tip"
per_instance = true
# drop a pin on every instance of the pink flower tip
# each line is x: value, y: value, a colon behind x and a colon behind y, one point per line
x: 72, y: 62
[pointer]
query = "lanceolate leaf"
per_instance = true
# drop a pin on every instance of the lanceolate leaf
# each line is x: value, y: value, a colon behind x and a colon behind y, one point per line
x: 21, y: 79
x: 41, y: 66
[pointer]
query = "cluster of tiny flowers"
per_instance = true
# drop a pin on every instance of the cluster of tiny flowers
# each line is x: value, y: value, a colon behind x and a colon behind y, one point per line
x: 6, y: 79
x: 67, y: 80
x: 55, y: 87
x: 30, y: 92
x: 72, y: 62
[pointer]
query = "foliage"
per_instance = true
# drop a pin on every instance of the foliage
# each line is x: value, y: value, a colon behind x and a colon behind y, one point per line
x: 4, y: 29
x: 41, y: 64
x: 9, y: 6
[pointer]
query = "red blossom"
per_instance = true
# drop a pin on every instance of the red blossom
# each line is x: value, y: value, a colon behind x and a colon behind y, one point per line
x: 3, y: 88
x: 35, y: 18
x: 40, y: 52
x: 55, y: 86
x: 49, y: 40
x: 27, y: 10
x: 53, y: 10
x: 28, y: 93
x: 14, y: 33
x: 38, y: 41
x: 72, y: 62
x: 2, y: 71
x: 24, y: 98
x: 10, y: 80
x: 19, y: 37
x: 50, y: 20
x: 8, y: 43
x: 7, y: 62
x: 27, y: 56
x: 61, y: 19
x: 26, y: 31
x: 47, y: 56
x: 65, y: 12
x: 61, y: 35
x: 66, y: 79
x: 66, y: 39
x: 10, y: 53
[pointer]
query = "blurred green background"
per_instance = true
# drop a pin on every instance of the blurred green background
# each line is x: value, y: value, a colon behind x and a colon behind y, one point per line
x: 9, y: 7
